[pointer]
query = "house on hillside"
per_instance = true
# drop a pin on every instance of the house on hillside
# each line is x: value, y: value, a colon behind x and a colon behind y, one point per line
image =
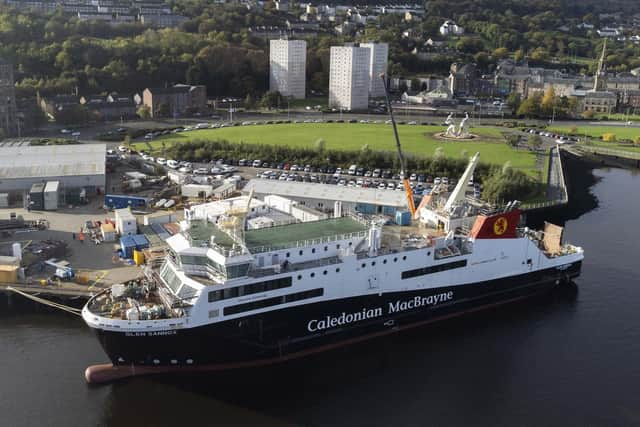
x: 175, y: 100
x: 450, y: 28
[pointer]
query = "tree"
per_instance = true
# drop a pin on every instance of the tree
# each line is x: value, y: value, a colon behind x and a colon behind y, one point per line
x: 501, y: 53
x: 513, y: 140
x: 514, y: 100
x: 518, y: 56
x: 127, y: 141
x: 535, y: 142
x: 144, y: 112
x: 249, y: 102
x: 163, y: 110
x: 548, y: 102
x: 320, y: 145
x: 530, y: 107
x: 271, y: 99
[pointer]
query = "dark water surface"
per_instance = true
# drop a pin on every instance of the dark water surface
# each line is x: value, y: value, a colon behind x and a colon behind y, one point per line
x: 570, y: 358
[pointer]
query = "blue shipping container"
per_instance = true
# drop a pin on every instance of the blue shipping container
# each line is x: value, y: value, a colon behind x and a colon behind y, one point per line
x: 403, y: 218
x: 113, y: 201
x: 130, y: 243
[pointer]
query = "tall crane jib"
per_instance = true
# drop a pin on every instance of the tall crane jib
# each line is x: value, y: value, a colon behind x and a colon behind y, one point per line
x: 403, y: 169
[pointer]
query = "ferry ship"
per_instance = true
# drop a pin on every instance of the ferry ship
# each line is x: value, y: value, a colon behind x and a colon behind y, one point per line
x: 227, y: 296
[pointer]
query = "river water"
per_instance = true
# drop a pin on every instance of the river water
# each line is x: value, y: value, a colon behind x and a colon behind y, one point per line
x: 570, y: 358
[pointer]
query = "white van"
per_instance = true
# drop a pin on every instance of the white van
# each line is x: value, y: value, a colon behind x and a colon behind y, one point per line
x: 257, y: 163
x: 172, y: 164
x: 352, y: 169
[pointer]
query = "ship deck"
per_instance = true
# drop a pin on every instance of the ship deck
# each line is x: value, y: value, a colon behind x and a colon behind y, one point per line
x: 287, y: 235
x: 278, y: 237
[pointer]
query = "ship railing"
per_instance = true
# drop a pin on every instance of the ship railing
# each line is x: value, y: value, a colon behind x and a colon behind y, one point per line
x: 307, y: 242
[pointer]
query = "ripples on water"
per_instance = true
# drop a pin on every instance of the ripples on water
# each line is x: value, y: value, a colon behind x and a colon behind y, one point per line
x: 570, y: 358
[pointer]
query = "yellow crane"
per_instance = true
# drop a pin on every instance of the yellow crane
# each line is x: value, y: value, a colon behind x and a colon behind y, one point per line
x: 403, y: 170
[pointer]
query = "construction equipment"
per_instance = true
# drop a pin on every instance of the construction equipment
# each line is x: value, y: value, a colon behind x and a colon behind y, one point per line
x: 63, y: 269
x: 403, y: 170
x: 234, y: 221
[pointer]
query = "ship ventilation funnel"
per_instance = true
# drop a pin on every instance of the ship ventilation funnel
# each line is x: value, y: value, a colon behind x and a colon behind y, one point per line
x: 374, y: 240
x: 337, y: 209
x: 17, y: 251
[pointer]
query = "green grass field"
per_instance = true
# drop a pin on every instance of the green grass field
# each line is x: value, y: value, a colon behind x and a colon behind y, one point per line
x: 595, y: 132
x: 416, y: 139
x: 621, y: 132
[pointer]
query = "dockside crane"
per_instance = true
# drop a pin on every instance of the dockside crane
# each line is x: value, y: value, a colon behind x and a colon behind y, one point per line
x: 403, y: 169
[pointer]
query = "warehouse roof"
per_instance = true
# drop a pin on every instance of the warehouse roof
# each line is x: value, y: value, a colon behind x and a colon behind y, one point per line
x: 52, y: 161
x: 306, y: 190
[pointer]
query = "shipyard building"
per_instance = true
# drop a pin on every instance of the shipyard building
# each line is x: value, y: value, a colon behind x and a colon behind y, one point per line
x: 77, y: 168
x: 323, y: 197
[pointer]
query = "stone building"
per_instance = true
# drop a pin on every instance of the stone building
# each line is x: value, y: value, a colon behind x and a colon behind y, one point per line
x: 175, y: 100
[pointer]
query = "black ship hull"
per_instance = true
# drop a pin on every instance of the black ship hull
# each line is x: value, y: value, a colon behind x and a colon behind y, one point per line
x: 293, y: 332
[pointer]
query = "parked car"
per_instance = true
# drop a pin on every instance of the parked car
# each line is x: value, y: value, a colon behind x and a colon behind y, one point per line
x: 161, y: 161
x: 201, y: 171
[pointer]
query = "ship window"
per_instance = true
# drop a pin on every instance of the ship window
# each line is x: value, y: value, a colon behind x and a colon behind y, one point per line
x: 313, y: 251
x: 253, y: 288
x: 338, y: 246
x: 395, y: 260
x: 384, y: 261
x: 313, y: 274
x: 373, y: 263
x: 338, y: 270
x: 324, y: 272
x: 269, y: 302
x: 326, y: 248
x: 300, y: 252
x: 350, y: 243
x: 404, y: 258
x: 213, y: 313
x: 299, y: 277
x: 288, y: 254
x: 433, y: 269
x: 364, y: 265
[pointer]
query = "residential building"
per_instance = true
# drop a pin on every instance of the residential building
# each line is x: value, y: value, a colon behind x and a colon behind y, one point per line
x: 175, y: 100
x: 287, y: 67
x: 110, y: 107
x: 8, y: 118
x: 377, y: 65
x: 162, y: 20
x: 349, y: 81
x: 450, y: 28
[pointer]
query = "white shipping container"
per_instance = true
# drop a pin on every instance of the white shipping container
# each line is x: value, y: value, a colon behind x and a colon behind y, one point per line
x: 196, y: 190
x: 280, y: 203
x: 159, y: 218
x: 51, y: 195
x: 125, y: 222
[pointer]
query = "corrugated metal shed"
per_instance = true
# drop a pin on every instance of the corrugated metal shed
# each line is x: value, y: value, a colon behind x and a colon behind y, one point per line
x: 306, y: 190
x: 52, y: 161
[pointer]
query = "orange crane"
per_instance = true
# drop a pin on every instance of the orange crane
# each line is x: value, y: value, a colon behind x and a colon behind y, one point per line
x: 403, y: 170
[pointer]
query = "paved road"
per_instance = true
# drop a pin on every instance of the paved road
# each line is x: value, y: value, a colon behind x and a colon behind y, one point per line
x: 556, y: 189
